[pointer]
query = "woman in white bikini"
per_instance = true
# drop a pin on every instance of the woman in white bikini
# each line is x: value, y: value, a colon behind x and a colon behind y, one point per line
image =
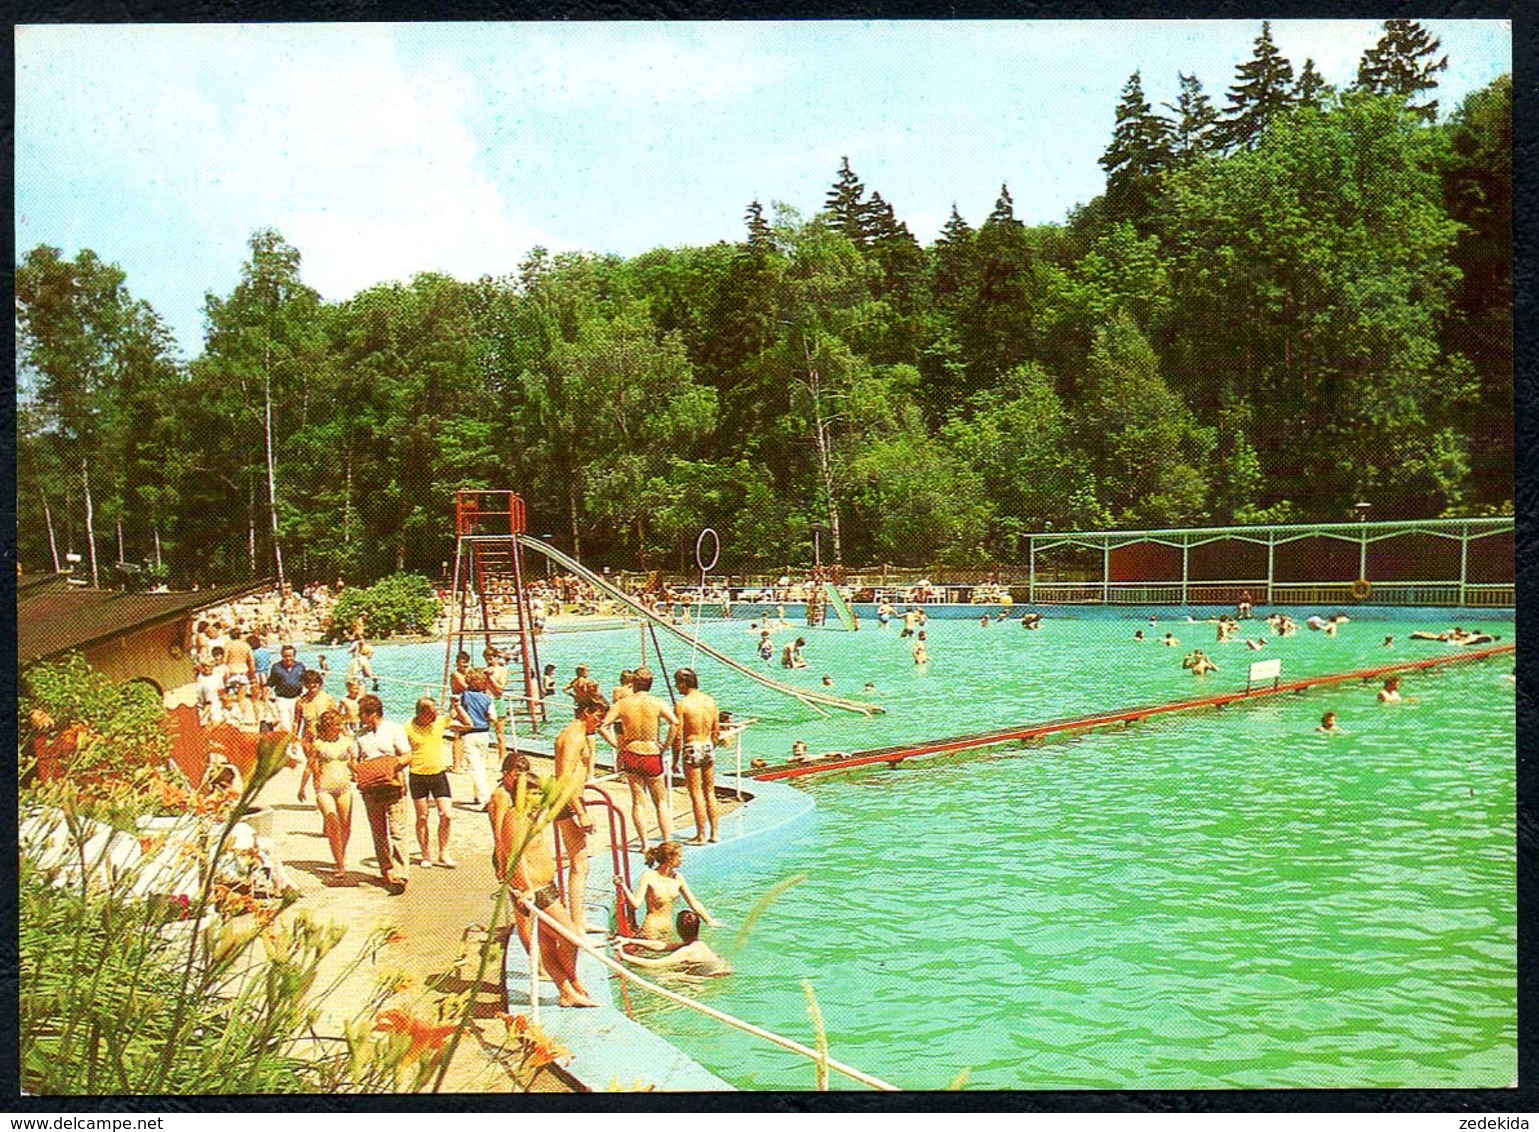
x: 660, y: 886
x: 332, y: 750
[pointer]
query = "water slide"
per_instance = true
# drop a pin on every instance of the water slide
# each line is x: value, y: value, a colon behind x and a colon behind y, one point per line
x: 806, y: 695
x: 841, y: 607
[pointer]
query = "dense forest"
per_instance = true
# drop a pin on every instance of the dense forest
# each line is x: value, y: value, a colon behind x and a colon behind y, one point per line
x: 1288, y: 298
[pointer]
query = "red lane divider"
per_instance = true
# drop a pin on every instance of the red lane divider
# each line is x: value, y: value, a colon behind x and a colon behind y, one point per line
x: 897, y: 754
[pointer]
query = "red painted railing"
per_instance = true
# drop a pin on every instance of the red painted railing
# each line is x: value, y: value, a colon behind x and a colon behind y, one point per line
x: 896, y: 754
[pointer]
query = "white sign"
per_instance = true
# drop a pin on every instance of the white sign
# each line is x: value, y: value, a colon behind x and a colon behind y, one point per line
x: 1266, y: 669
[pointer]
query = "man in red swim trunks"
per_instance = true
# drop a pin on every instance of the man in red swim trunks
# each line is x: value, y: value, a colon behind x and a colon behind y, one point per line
x: 641, y: 753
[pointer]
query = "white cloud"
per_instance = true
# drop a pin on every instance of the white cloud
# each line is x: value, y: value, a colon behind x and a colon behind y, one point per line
x: 320, y: 132
x: 620, y: 63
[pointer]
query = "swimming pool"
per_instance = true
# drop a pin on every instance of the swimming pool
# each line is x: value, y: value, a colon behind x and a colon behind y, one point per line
x: 1214, y: 900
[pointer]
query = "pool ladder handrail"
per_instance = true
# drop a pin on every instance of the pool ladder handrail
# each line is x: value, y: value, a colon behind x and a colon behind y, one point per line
x: 619, y: 839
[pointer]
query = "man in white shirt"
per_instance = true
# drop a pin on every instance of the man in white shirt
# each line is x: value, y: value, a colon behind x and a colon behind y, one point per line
x: 378, y: 737
x: 210, y: 686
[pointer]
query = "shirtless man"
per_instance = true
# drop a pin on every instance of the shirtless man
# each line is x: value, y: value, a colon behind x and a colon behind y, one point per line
x: 695, y: 740
x: 574, y: 767
x: 527, y: 864
x: 690, y: 957
x: 458, y: 684
x: 241, y: 663
x: 581, y: 686
x: 496, y: 673
x: 641, y: 754
x: 1202, y: 664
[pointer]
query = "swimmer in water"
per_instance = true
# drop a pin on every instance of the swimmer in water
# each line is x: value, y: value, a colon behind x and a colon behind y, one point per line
x: 1390, y: 693
x: 1138, y: 635
x: 1328, y: 724
x: 1389, y: 641
x: 870, y: 687
x: 828, y: 681
x: 1203, y: 664
x: 688, y: 957
x: 657, y: 890
x: 1170, y: 640
x: 921, y: 649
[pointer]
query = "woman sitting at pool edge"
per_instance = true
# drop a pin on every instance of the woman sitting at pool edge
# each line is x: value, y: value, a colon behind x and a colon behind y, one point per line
x: 660, y: 886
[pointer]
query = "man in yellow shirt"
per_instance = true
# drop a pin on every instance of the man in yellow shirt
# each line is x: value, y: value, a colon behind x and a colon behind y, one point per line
x: 430, y: 778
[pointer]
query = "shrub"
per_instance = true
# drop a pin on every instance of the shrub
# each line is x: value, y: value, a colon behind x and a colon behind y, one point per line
x: 118, y: 725
x: 401, y: 603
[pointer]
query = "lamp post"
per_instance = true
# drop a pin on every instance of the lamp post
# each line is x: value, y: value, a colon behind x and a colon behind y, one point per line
x: 817, y: 549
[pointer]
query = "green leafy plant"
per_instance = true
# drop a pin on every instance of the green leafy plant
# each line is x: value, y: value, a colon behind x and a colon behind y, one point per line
x: 399, y: 604
x: 118, y: 726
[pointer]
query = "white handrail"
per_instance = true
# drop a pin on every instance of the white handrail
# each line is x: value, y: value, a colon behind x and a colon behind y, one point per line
x: 747, y: 1027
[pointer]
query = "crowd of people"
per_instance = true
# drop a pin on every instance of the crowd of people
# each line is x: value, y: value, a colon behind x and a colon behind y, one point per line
x: 352, y: 753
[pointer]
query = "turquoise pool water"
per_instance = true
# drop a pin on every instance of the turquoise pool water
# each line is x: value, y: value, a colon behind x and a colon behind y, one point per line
x: 1213, y: 900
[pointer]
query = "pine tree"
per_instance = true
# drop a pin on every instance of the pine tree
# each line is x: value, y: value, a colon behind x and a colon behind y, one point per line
x: 998, y: 330
x: 844, y: 204
x: 1262, y: 93
x: 877, y: 219
x: 895, y: 250
x: 761, y: 238
x: 1191, y: 134
x: 1139, y: 154
x: 1311, y: 88
x: 955, y: 258
x: 1400, y: 65
x: 1004, y: 210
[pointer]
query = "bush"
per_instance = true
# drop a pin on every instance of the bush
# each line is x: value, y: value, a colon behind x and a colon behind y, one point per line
x: 119, y: 725
x: 401, y: 603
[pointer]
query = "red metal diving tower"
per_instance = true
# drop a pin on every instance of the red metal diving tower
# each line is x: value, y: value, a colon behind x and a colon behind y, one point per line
x: 489, y: 589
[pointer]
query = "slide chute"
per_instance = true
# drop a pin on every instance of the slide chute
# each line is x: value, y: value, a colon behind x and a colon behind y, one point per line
x: 806, y: 695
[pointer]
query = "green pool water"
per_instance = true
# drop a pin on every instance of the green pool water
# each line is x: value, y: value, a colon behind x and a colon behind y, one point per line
x: 1223, y: 899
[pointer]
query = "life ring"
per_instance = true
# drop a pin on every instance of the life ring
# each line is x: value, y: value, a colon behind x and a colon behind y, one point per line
x: 175, y: 651
x: 1362, y: 589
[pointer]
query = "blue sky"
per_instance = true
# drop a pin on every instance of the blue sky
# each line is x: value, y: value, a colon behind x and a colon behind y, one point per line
x: 385, y: 150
